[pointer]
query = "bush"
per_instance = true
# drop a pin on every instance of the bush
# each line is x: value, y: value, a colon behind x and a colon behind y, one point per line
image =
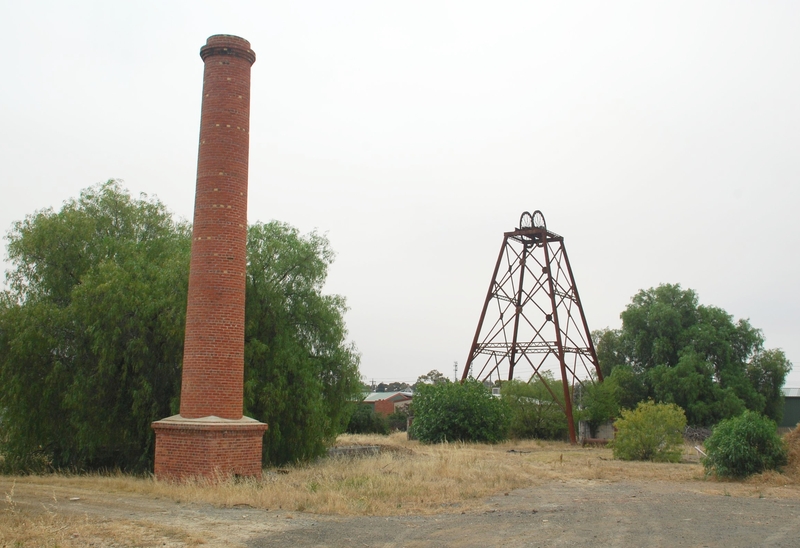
x: 744, y: 445
x: 652, y: 431
x: 533, y: 413
x: 458, y: 412
x: 398, y: 420
x: 365, y: 420
x: 600, y: 402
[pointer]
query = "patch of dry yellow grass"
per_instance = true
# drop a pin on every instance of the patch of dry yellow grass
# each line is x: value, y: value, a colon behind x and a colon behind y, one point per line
x: 46, y: 525
x: 405, y: 477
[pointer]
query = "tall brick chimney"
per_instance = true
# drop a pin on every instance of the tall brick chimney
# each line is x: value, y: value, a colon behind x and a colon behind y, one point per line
x: 210, y: 437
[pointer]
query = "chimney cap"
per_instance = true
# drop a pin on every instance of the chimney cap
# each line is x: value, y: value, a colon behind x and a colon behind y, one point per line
x: 228, y: 44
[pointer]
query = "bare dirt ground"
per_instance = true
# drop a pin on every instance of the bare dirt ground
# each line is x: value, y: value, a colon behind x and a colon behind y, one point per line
x: 572, y: 512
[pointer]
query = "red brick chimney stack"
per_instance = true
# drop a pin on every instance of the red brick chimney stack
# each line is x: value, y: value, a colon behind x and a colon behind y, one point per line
x: 213, y: 355
x: 210, y: 436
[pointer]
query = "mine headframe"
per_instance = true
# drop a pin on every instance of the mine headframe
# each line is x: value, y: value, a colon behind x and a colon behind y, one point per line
x: 532, y: 320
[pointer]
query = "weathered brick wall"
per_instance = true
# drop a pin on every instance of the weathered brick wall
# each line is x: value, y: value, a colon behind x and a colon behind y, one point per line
x: 384, y: 407
x: 211, y: 451
x: 213, y: 362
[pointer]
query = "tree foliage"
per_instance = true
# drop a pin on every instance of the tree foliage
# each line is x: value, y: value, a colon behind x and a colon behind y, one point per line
x: 91, y: 330
x: 599, y: 403
x: 466, y: 411
x: 744, y: 445
x: 398, y: 420
x: 300, y: 375
x: 396, y: 386
x: 431, y: 377
x: 535, y: 412
x: 364, y: 420
x: 92, y: 326
x: 652, y: 431
x: 674, y: 350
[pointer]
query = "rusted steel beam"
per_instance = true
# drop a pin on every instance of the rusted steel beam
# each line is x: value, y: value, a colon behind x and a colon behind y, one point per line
x: 532, y: 307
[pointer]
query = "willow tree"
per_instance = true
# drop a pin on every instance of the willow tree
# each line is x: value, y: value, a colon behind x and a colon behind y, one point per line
x: 91, y: 330
x: 301, y: 376
x: 91, y: 335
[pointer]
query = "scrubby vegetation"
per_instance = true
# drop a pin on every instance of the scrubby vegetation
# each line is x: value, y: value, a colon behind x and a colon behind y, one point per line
x: 743, y: 446
x: 599, y: 403
x: 459, y: 412
x: 365, y: 420
x: 535, y: 411
x: 398, y: 421
x: 652, y: 431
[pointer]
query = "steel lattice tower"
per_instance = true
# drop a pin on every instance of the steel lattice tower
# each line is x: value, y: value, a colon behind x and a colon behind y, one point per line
x: 532, y: 320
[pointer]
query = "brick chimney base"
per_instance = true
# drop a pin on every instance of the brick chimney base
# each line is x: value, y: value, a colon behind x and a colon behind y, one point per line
x: 208, y: 447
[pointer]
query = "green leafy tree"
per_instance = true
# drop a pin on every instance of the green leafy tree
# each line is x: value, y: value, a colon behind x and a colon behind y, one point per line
x: 536, y: 409
x: 395, y: 386
x: 609, y: 349
x: 458, y: 412
x: 301, y: 375
x: 674, y: 350
x: 431, y: 377
x: 364, y: 420
x: 599, y: 403
x: 744, y: 445
x: 631, y: 388
x: 399, y: 419
x: 652, y: 431
x: 91, y: 330
x: 92, y: 327
x: 766, y: 372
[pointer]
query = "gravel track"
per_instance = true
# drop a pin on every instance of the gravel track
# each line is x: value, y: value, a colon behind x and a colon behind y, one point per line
x: 579, y: 513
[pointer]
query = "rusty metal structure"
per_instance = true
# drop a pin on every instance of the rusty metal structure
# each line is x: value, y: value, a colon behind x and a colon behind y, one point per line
x: 532, y: 320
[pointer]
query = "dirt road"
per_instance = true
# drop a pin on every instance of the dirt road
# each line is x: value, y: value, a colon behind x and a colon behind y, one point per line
x: 571, y: 514
x: 561, y: 513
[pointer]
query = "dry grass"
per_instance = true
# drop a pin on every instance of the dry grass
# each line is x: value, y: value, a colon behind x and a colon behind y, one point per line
x: 47, y: 525
x: 792, y: 440
x: 405, y: 477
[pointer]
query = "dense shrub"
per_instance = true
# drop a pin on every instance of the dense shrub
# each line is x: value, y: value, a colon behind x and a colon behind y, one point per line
x: 652, y: 431
x: 600, y: 403
x: 458, y: 412
x: 744, y: 445
x: 533, y: 411
x: 365, y: 420
x: 398, y: 420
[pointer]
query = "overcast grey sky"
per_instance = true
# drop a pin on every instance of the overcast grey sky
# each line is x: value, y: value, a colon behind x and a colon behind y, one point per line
x: 661, y: 139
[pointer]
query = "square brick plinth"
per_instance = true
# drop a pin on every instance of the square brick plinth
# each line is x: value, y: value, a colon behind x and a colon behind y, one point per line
x: 208, y: 447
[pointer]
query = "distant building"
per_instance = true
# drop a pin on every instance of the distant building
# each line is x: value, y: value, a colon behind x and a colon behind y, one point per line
x: 386, y: 403
x: 791, y: 408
